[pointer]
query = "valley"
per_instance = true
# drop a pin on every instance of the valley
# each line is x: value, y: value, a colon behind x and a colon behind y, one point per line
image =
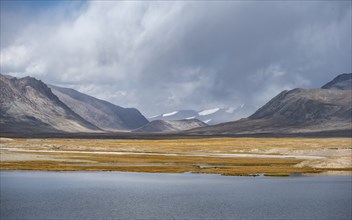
x: 46, y: 127
x: 226, y: 156
x: 175, y: 110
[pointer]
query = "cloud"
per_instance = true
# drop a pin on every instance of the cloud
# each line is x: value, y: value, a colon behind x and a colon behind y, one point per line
x: 15, y: 57
x: 162, y: 56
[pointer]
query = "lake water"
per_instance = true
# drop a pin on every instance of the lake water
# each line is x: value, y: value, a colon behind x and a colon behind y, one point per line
x: 117, y: 195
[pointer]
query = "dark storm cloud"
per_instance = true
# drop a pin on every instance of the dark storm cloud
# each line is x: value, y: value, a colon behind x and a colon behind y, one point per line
x: 161, y: 56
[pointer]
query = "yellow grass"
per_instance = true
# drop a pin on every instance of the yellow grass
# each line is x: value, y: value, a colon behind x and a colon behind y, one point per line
x: 205, y: 145
x: 186, y: 161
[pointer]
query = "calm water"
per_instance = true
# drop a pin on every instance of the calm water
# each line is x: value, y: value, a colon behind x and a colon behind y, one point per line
x: 115, y: 195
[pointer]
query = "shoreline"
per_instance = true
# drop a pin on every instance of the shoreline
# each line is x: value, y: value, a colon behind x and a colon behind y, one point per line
x: 260, y: 175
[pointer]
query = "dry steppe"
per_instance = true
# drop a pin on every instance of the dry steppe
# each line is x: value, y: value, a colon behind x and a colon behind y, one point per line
x: 227, y: 156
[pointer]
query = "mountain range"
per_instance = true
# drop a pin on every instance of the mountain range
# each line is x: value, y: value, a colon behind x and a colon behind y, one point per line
x: 28, y: 105
x: 297, y: 111
x: 210, y: 116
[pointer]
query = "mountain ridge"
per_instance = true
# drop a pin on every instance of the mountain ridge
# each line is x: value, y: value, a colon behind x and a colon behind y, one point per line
x: 27, y: 103
x: 294, y: 111
x: 99, y: 112
x: 340, y: 82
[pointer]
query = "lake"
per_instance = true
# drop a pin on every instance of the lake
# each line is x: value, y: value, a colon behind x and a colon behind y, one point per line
x: 118, y: 195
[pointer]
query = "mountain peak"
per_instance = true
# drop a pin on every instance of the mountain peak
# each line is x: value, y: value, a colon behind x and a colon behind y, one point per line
x: 28, y: 105
x: 341, y: 82
x: 298, y: 111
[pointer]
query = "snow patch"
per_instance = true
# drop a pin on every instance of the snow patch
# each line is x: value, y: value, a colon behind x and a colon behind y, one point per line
x: 230, y: 110
x: 191, y: 117
x: 169, y: 114
x: 206, y: 121
x: 209, y: 111
x: 154, y: 116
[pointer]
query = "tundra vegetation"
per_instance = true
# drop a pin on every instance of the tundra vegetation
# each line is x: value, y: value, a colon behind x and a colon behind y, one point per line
x: 226, y: 156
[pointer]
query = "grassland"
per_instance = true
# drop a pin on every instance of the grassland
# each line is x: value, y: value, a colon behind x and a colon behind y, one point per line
x: 273, y: 156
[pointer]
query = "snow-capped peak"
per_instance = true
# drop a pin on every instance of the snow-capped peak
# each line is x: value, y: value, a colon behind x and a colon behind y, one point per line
x: 169, y: 114
x: 209, y: 111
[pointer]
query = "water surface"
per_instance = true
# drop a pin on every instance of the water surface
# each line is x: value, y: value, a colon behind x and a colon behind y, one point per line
x: 118, y: 195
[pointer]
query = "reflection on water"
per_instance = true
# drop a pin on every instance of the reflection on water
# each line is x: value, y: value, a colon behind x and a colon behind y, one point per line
x: 116, y: 195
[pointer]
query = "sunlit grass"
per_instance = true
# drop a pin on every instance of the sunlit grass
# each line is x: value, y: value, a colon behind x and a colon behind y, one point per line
x: 59, y: 160
x: 206, y: 145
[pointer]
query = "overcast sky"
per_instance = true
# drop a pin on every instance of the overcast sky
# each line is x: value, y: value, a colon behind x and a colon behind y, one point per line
x: 162, y: 56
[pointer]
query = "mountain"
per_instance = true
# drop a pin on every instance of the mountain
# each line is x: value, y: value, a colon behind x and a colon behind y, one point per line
x: 221, y: 115
x: 297, y: 111
x: 210, y: 116
x: 101, y: 113
x: 341, y: 82
x: 28, y: 105
x: 175, y: 115
x: 163, y: 125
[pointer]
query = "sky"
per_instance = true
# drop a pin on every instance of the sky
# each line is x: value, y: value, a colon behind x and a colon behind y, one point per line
x: 161, y: 56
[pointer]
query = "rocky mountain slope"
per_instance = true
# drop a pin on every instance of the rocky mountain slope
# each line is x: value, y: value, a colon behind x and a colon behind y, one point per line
x: 28, y: 105
x: 297, y: 111
x: 101, y: 113
x: 341, y: 82
x: 169, y: 125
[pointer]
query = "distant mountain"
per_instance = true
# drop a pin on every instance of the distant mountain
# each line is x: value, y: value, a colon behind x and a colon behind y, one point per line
x: 175, y: 115
x: 210, y: 116
x: 221, y: 115
x: 297, y: 110
x: 168, y: 125
x: 101, y: 113
x: 28, y: 105
x: 341, y: 82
